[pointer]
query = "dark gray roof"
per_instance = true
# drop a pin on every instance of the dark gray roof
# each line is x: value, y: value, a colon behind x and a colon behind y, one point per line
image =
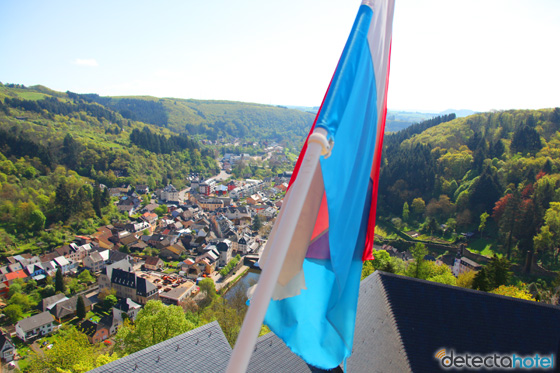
x: 402, y: 322
x: 123, y: 278
x: 376, y: 339
x: 45, y: 303
x: 122, y: 264
x: 272, y: 355
x: 68, y: 306
x: 116, y: 256
x: 125, y: 304
x: 36, y: 321
x: 204, y: 349
x: 144, y: 287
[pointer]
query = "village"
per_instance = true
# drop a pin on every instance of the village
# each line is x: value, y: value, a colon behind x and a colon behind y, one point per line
x: 213, y: 229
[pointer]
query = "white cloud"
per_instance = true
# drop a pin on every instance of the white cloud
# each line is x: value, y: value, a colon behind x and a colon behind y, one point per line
x: 89, y: 62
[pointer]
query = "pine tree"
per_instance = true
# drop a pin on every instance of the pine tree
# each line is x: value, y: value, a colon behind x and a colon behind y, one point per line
x: 59, y: 281
x: 80, y: 308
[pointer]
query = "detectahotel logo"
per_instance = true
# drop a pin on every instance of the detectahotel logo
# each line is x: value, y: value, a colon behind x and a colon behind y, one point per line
x: 449, y: 359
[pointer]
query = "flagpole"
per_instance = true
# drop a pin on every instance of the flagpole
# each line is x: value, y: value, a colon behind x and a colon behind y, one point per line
x: 239, y: 361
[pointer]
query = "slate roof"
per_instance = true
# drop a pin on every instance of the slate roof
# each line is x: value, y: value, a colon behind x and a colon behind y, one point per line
x: 204, y: 349
x: 272, y: 354
x: 5, y: 339
x: 402, y: 322
x: 35, y: 321
x: 144, y: 287
x: 121, y: 264
x: 96, y: 257
x: 89, y: 327
x: 68, y: 306
x: 117, y: 256
x: 126, y: 304
x: 124, y: 278
x: 46, y: 303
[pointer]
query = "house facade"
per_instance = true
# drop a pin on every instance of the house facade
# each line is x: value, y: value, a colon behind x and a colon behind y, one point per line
x: 94, y: 262
x: 153, y: 263
x: 7, y: 348
x: 464, y: 264
x: 35, y: 326
x: 128, y: 285
x: 225, y: 249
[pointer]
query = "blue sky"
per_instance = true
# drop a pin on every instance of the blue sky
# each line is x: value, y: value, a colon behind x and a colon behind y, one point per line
x: 476, y: 54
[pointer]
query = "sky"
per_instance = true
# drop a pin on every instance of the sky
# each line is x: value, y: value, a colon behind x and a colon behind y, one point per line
x: 446, y: 54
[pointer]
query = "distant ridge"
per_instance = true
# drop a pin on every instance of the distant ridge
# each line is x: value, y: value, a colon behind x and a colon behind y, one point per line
x: 459, y: 113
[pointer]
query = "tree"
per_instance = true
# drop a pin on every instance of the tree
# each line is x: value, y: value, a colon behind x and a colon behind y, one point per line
x: 37, y: 220
x: 257, y: 223
x: 86, y: 277
x: 109, y: 301
x: 548, y: 239
x: 495, y: 274
x: 155, y: 323
x: 482, y: 224
x: 13, y: 312
x: 72, y: 353
x: 161, y: 210
x: 506, y: 211
x: 105, y: 292
x: 465, y: 279
x: 63, y: 201
x: 481, y: 281
x: 417, y: 268
x: 207, y: 286
x: 439, y: 273
x: 512, y: 291
x: 405, y: 212
x: 97, y: 200
x: 59, y: 281
x: 418, y: 207
x: 23, y: 300
x: 80, y: 308
x: 526, y: 140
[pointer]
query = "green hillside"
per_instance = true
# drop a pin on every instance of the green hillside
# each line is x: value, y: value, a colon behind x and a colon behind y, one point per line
x: 451, y: 171
x: 213, y: 120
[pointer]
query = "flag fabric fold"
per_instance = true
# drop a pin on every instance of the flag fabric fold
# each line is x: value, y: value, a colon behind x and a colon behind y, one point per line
x: 314, y: 304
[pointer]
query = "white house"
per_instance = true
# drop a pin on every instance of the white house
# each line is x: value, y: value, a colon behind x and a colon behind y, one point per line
x: 225, y: 249
x: 35, y: 326
x: 7, y: 348
x: 66, y: 265
x: 464, y: 264
x: 94, y: 262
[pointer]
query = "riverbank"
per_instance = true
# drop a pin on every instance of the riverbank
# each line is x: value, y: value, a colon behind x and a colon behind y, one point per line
x: 223, y: 287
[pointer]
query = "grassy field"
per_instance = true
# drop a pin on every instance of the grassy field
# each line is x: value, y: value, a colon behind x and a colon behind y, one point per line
x: 484, y: 247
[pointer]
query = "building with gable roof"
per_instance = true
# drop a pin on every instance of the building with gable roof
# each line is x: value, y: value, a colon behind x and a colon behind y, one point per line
x: 204, y: 349
x: 128, y: 285
x: 7, y: 348
x: 35, y: 326
x: 401, y: 324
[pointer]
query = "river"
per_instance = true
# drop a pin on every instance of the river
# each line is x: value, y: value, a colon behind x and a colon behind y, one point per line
x: 246, y: 281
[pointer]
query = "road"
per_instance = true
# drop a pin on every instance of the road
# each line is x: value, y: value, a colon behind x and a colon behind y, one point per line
x: 221, y: 176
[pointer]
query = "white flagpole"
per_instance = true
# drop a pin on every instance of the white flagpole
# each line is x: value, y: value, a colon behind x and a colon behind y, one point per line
x: 239, y: 361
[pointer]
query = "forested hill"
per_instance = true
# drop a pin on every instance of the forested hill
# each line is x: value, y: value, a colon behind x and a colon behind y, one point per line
x: 452, y: 170
x: 212, y: 119
x: 97, y: 141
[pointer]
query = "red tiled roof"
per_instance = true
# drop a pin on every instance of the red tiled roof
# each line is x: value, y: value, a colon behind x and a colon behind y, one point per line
x: 17, y: 274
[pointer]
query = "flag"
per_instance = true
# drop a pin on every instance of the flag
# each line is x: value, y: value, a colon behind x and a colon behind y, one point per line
x: 313, y: 308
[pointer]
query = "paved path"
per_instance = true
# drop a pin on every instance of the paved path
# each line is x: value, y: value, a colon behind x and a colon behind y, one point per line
x: 220, y: 285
